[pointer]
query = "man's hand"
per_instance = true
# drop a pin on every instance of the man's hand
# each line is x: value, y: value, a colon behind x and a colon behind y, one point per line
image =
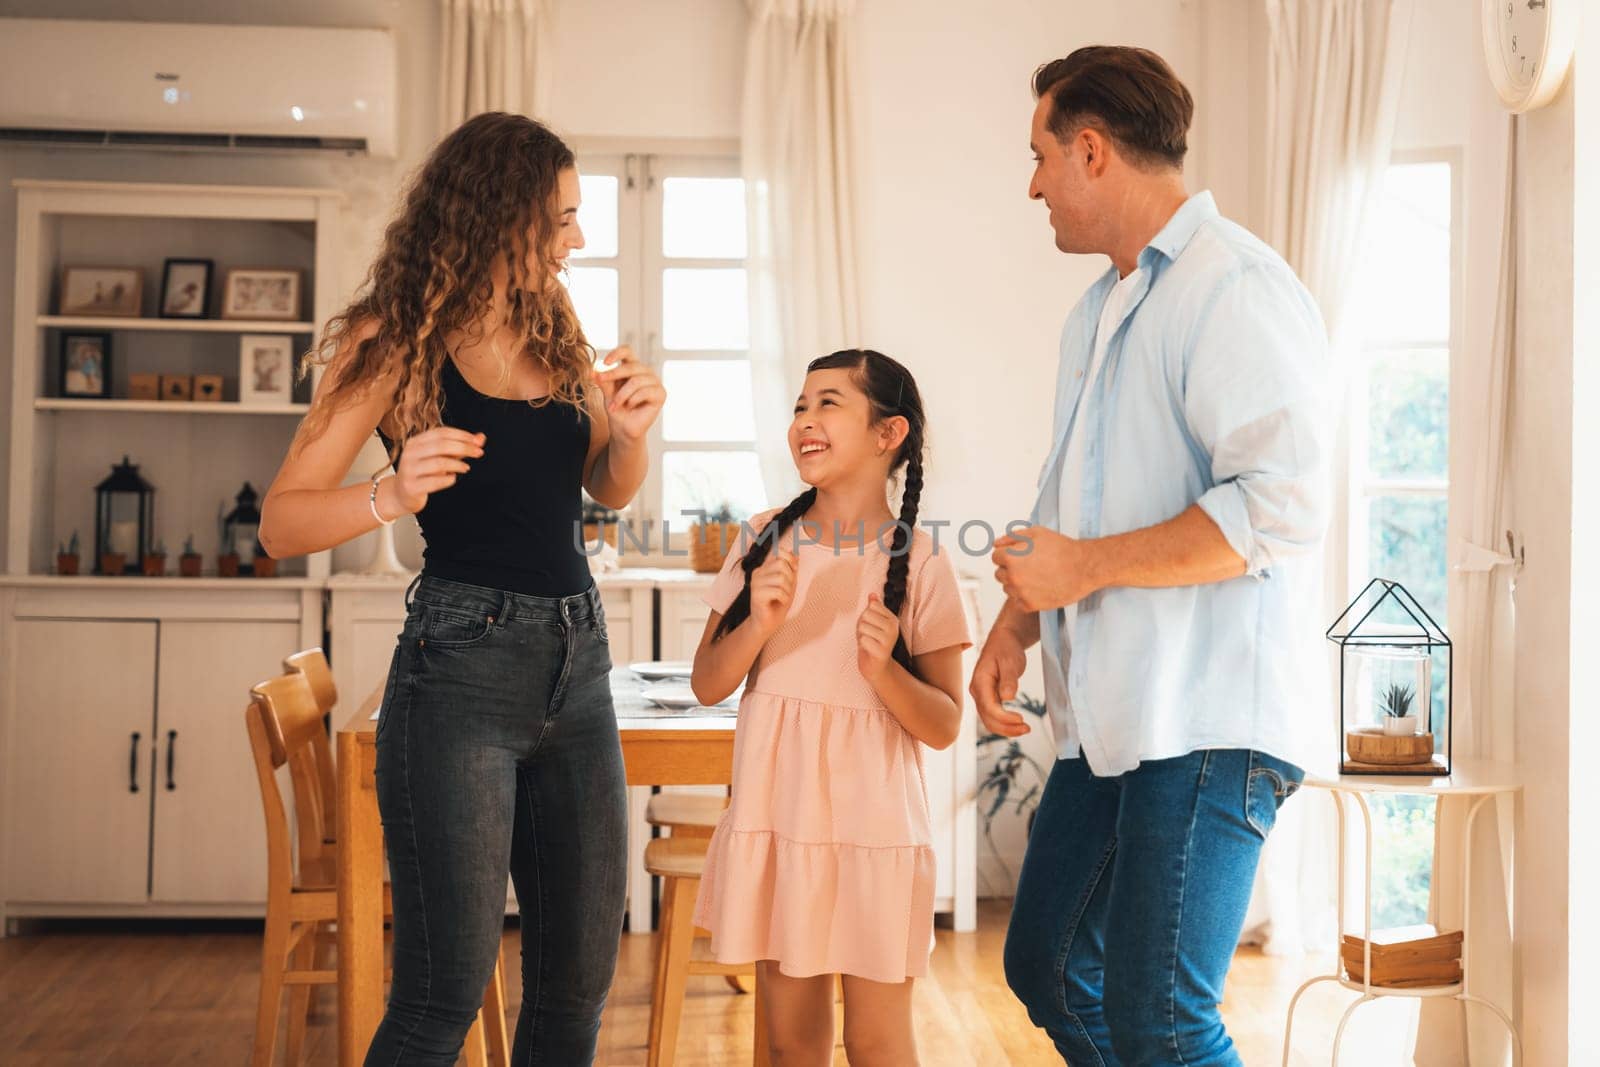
x: 1041, y: 569
x: 995, y: 679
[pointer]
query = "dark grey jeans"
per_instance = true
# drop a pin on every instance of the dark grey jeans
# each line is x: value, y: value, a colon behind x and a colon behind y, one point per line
x: 498, y: 751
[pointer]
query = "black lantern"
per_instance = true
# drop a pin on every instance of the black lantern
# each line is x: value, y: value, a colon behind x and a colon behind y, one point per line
x: 124, y: 518
x: 241, y: 527
x: 1389, y: 714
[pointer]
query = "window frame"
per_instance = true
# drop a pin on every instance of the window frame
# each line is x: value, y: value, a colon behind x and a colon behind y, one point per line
x: 640, y: 261
x: 1362, y: 486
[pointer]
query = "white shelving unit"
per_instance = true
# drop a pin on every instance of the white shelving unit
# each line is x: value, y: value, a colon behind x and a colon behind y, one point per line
x: 124, y: 766
x: 167, y: 407
x: 58, y: 453
x: 73, y: 322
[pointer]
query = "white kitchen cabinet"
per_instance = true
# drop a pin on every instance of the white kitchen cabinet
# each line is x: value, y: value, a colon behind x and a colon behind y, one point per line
x: 88, y: 823
x: 208, y: 842
x: 79, y: 772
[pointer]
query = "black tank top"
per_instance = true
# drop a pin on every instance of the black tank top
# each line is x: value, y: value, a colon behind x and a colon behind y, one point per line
x: 509, y: 522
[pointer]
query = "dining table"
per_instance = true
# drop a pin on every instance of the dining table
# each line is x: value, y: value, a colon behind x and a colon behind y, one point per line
x: 660, y: 746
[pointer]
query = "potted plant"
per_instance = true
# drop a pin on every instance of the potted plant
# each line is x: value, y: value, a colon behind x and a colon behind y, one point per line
x: 1398, y: 721
x: 599, y: 522
x: 263, y: 565
x: 1014, y: 778
x: 154, y: 564
x: 67, y: 556
x: 710, y: 540
x: 189, y: 562
x: 112, y: 563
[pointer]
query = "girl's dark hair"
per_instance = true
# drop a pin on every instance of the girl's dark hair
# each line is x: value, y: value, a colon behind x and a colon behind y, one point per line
x: 1129, y: 94
x: 891, y: 391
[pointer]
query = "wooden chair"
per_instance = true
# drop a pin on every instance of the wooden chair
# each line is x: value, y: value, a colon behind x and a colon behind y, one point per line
x: 314, y: 665
x: 685, y: 814
x: 679, y: 861
x: 285, y: 724
x: 693, y: 815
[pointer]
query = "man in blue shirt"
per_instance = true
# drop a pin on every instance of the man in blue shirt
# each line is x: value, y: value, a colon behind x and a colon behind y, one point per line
x: 1172, y: 578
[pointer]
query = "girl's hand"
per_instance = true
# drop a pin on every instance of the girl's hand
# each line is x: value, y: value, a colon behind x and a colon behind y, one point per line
x: 772, y: 587
x: 430, y: 461
x: 632, y: 392
x: 877, y: 632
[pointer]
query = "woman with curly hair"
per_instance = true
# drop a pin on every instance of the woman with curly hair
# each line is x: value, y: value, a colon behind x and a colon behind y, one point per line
x: 497, y: 742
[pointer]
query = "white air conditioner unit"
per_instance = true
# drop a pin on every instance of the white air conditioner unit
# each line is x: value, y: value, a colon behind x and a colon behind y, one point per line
x: 187, y: 86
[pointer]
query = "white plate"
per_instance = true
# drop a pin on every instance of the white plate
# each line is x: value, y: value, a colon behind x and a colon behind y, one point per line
x: 675, y: 695
x: 656, y: 669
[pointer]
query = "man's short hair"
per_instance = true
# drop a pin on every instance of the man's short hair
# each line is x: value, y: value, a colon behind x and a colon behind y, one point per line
x: 1129, y: 94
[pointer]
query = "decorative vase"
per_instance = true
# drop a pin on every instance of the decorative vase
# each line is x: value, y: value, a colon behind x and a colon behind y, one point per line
x: 1400, y: 726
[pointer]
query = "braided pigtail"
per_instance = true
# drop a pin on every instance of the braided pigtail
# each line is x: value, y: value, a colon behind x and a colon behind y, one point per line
x: 894, y: 586
x: 739, y: 610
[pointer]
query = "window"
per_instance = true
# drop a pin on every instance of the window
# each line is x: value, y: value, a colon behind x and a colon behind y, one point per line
x: 1399, y: 462
x: 664, y: 271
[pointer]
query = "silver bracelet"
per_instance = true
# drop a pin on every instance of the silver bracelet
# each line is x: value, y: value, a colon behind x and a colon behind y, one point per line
x: 372, y: 500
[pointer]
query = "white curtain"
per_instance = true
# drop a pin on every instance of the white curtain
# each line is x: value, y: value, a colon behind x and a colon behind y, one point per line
x: 488, y: 58
x: 1482, y: 585
x: 799, y: 164
x: 1333, y: 88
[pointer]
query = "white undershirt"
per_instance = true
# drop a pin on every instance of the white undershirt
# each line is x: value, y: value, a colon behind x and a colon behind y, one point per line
x: 1070, y: 488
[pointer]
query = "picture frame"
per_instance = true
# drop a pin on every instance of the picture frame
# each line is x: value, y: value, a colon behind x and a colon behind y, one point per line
x: 101, y: 292
x: 263, y: 295
x: 266, y: 368
x: 86, y: 365
x: 185, y: 288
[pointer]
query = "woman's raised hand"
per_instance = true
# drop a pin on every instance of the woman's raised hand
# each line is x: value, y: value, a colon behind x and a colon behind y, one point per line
x: 430, y: 461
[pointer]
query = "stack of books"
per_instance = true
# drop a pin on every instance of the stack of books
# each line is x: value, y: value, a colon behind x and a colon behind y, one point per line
x: 1406, y: 957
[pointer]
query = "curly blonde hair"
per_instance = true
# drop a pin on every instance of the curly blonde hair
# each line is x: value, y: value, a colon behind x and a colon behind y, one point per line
x: 487, y: 194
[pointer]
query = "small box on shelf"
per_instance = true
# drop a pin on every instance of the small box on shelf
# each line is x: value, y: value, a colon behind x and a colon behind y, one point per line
x: 208, y: 387
x: 144, y: 387
x: 177, y: 387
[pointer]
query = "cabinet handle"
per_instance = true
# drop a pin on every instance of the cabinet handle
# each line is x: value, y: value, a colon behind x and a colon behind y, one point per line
x: 172, y: 737
x: 133, y: 765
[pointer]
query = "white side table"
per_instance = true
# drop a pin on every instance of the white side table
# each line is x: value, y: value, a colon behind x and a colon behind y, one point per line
x: 1479, y: 779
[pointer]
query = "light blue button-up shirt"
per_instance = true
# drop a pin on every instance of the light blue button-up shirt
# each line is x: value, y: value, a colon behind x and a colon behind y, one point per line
x: 1214, y: 390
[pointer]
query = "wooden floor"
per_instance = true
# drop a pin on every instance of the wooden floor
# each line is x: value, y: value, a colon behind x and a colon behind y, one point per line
x: 140, y: 994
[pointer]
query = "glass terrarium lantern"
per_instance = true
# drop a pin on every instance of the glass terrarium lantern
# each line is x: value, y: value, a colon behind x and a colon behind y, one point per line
x: 124, y: 518
x: 1390, y: 716
x: 241, y: 527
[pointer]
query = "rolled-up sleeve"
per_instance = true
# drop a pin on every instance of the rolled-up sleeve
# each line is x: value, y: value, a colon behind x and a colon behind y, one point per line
x: 1257, y: 401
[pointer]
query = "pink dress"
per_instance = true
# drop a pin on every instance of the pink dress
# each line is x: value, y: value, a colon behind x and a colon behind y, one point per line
x: 824, y: 861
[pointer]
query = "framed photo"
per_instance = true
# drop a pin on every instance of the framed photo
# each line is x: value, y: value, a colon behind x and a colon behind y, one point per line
x: 109, y: 291
x: 262, y: 294
x: 266, y: 369
x: 185, y: 288
x: 86, y: 364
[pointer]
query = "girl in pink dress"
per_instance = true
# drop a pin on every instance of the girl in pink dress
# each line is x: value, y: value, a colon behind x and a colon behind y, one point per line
x: 846, y: 625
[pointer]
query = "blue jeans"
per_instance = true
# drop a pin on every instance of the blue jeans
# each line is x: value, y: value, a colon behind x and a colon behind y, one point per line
x: 1130, y: 902
x: 498, y: 751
